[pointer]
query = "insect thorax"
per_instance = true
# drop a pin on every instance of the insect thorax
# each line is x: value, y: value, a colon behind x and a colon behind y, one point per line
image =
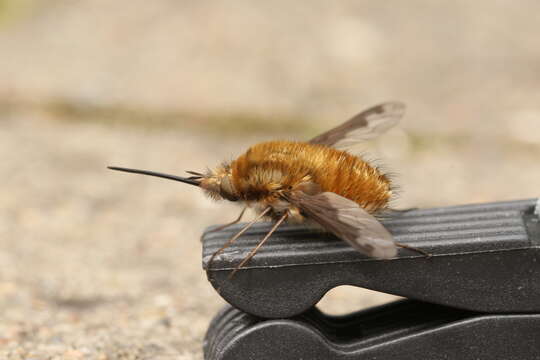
x: 284, y: 165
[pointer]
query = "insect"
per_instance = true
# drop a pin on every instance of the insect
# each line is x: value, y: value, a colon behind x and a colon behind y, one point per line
x: 317, y: 181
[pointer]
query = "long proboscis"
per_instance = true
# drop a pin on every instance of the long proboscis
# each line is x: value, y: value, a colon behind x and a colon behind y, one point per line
x: 190, y: 181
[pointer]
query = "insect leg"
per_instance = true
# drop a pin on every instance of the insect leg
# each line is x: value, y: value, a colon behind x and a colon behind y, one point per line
x: 224, y: 226
x: 261, y: 243
x: 401, y: 211
x: 235, y: 237
x: 426, y: 254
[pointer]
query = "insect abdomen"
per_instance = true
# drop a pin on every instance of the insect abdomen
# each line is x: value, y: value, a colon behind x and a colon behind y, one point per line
x: 281, y: 165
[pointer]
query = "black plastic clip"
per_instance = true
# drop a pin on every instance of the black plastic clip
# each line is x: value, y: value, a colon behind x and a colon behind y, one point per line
x: 484, y: 275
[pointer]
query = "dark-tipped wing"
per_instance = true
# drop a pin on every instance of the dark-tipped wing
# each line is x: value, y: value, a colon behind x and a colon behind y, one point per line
x: 367, y: 125
x: 348, y: 221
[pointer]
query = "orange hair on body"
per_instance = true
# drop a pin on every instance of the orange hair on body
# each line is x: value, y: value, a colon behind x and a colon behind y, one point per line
x: 267, y: 171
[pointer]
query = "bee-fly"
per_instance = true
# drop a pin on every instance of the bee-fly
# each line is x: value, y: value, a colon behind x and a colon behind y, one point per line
x: 316, y: 180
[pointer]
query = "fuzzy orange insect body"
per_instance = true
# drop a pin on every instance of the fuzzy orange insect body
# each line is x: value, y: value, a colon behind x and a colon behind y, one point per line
x: 268, y: 171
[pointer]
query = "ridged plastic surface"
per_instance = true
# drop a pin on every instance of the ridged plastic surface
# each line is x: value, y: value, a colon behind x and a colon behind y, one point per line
x: 405, y: 330
x: 485, y: 258
x: 441, y: 231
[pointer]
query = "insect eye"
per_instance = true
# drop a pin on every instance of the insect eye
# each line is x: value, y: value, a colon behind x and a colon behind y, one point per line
x: 227, y: 189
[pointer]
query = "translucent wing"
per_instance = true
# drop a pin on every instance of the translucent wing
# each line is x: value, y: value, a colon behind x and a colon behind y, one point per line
x: 367, y: 125
x: 348, y: 221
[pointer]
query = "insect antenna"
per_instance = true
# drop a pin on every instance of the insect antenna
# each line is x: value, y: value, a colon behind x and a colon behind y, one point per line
x: 261, y: 243
x: 224, y: 226
x: 235, y: 237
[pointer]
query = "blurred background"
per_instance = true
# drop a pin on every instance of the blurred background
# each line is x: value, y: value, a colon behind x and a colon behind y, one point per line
x: 103, y: 265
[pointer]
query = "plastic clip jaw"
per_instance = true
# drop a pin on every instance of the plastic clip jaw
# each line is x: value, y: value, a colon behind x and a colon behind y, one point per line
x: 403, y: 330
x: 486, y: 258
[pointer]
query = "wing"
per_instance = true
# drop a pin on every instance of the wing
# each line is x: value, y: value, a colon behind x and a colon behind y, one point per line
x: 348, y: 221
x: 367, y: 125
